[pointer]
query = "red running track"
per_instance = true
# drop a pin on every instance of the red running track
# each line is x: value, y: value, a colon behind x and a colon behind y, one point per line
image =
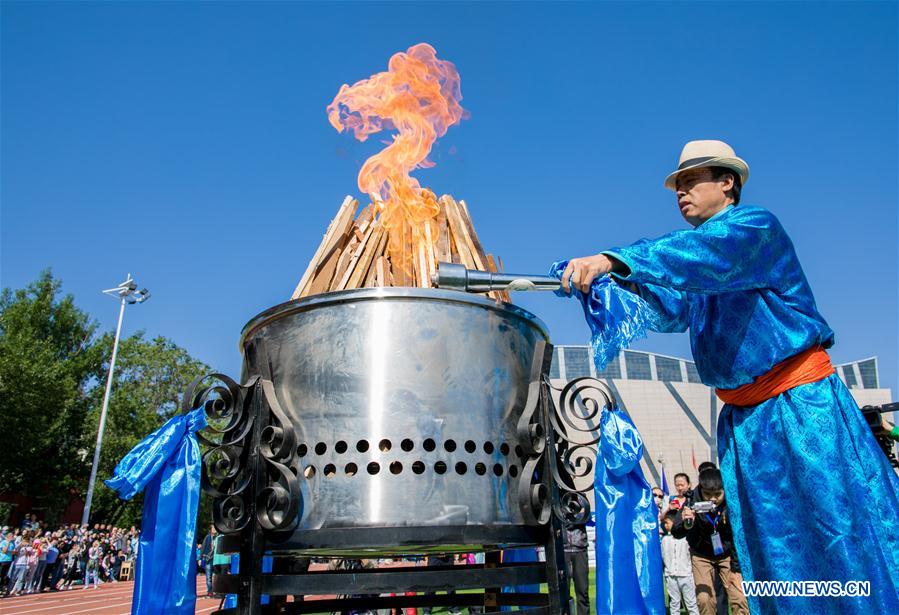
x: 108, y: 599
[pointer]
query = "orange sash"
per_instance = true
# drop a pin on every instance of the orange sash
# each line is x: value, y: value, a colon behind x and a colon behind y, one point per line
x: 808, y: 366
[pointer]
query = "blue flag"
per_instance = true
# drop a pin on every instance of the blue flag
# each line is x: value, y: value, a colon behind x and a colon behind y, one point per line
x: 166, y: 466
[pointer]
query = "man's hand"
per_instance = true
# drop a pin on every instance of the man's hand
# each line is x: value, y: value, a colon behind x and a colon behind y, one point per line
x: 581, y: 272
x: 687, y: 513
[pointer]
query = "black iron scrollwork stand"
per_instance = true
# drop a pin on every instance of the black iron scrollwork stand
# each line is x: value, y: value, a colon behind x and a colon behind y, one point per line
x: 250, y: 468
x: 571, y: 432
x: 576, y: 424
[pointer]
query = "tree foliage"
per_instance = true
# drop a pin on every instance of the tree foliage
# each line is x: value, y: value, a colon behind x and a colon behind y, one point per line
x: 48, y: 362
x: 53, y: 369
x: 150, y: 377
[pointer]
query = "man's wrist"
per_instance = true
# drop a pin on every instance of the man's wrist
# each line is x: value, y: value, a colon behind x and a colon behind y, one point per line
x: 616, y: 265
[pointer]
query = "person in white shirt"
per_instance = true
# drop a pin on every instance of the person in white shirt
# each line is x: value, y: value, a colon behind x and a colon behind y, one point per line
x: 678, y: 568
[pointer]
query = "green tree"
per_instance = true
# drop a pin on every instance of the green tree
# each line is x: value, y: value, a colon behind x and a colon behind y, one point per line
x: 47, y: 366
x: 53, y: 370
x: 150, y: 377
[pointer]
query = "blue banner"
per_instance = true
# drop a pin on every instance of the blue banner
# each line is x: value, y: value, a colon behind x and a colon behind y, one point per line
x: 166, y: 466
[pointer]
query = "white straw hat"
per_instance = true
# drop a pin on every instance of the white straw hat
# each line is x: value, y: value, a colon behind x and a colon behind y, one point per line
x: 698, y: 154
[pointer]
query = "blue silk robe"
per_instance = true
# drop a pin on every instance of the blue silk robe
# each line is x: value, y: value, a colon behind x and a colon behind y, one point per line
x: 810, y: 494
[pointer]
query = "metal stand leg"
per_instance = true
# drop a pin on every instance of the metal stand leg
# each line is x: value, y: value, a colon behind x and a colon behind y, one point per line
x: 249, y: 597
x: 556, y: 571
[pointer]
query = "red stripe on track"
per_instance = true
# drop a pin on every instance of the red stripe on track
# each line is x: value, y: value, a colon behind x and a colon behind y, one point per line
x: 108, y: 599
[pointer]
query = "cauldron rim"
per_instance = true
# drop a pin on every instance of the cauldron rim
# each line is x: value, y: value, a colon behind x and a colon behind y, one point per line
x: 288, y: 308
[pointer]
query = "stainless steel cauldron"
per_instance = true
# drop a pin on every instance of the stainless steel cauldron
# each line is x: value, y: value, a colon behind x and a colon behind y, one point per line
x: 404, y: 403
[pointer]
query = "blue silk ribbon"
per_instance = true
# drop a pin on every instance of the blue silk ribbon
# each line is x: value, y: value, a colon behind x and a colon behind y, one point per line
x: 616, y: 317
x: 628, y: 553
x: 166, y: 466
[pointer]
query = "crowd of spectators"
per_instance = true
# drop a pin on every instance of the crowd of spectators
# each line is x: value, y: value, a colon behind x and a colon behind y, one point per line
x: 35, y: 558
x: 702, y: 571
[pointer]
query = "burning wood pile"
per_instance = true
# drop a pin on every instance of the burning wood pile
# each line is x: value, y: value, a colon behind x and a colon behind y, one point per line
x: 399, y: 238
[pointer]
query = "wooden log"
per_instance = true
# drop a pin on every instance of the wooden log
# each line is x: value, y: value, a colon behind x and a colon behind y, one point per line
x: 421, y: 272
x: 455, y: 257
x: 442, y: 249
x: 364, y: 262
x: 429, y: 254
x: 407, y: 264
x: 381, y: 271
x: 336, y: 231
x: 463, y: 236
x: 472, y: 235
x: 344, y: 261
x: 357, y: 254
x: 502, y: 294
x: 456, y: 227
x: 362, y: 252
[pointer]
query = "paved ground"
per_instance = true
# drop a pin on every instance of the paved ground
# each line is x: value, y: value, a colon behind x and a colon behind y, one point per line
x: 108, y: 599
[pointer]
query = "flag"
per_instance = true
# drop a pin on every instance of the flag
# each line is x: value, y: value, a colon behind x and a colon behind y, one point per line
x: 693, y: 454
x: 664, y: 482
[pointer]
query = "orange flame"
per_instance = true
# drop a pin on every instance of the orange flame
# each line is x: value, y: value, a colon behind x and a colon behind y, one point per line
x: 418, y: 96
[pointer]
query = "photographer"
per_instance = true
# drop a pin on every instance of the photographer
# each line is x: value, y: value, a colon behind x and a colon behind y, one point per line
x: 720, y: 592
x: 705, y: 524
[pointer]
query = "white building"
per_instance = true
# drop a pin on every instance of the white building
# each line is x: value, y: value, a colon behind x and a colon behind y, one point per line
x: 676, y: 414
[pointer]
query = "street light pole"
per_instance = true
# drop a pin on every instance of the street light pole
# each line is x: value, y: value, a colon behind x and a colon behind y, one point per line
x: 127, y: 292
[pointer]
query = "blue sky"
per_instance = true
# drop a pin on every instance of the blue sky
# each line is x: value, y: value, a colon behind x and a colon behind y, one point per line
x: 187, y: 143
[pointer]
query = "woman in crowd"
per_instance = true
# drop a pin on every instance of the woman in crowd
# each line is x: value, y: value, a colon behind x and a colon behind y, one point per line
x: 20, y: 569
x: 92, y: 569
x: 73, y: 567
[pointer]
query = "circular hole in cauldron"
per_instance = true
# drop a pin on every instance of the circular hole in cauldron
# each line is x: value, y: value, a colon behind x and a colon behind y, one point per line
x: 362, y: 446
x: 480, y: 469
x: 407, y: 445
x: 309, y: 472
x: 373, y: 468
x: 340, y: 447
x: 461, y: 468
x: 321, y: 448
x: 418, y: 467
x: 450, y: 446
x: 504, y: 448
x: 440, y: 467
x: 429, y: 445
x: 302, y: 449
x: 519, y: 451
x: 385, y: 445
x: 470, y: 446
x: 351, y: 469
x: 498, y: 469
x: 329, y: 470
x: 488, y: 448
x: 396, y: 467
x: 513, y: 471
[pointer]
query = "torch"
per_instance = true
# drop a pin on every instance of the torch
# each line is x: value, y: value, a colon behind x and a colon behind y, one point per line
x: 456, y: 277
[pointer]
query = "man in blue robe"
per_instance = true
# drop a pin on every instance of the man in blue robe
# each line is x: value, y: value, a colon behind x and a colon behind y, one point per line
x: 796, y: 435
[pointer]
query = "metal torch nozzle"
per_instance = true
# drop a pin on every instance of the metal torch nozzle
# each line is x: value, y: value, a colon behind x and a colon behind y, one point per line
x: 457, y: 277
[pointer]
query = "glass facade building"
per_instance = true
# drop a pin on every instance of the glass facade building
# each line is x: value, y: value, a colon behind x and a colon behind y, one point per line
x: 571, y: 362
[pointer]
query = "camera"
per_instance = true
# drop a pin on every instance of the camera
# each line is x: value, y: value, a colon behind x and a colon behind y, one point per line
x: 703, y: 507
x: 699, y: 508
x: 872, y: 417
